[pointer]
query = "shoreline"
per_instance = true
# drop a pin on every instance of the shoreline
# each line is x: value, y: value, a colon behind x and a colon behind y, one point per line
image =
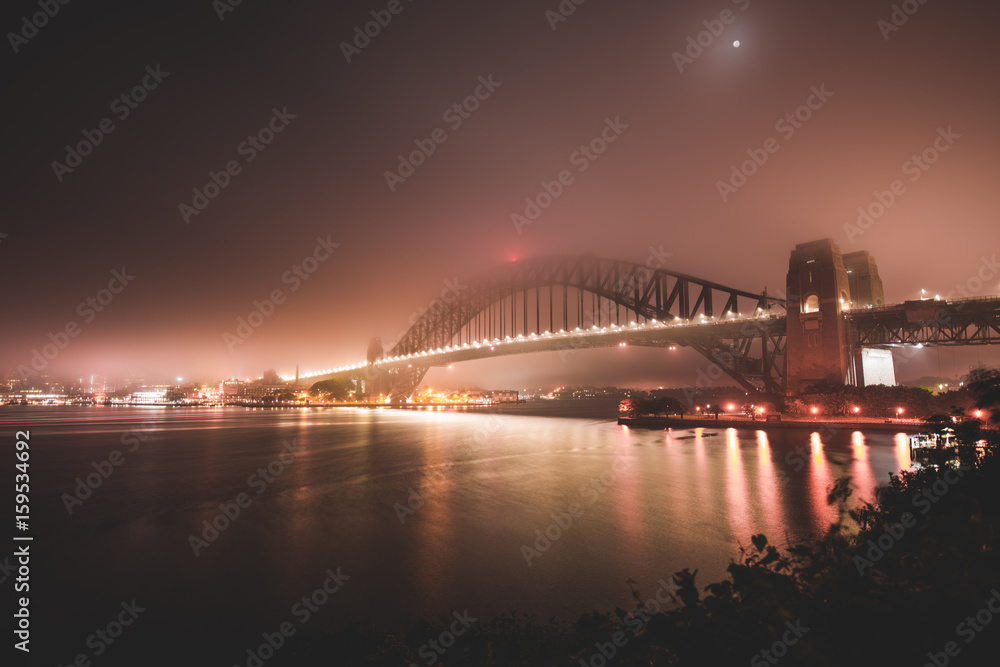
x: 894, y: 425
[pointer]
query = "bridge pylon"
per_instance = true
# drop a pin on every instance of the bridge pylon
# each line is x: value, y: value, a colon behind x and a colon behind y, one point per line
x: 823, y: 285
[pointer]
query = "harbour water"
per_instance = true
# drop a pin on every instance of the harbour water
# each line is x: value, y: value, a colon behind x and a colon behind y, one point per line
x: 545, y: 509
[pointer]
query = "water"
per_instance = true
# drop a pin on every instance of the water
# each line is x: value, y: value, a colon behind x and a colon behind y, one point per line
x: 650, y: 503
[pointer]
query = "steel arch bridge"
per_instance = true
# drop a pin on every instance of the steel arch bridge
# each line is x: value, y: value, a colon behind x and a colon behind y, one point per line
x: 767, y: 345
x: 572, y: 302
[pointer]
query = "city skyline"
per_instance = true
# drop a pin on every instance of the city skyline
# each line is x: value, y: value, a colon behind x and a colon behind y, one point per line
x: 714, y: 162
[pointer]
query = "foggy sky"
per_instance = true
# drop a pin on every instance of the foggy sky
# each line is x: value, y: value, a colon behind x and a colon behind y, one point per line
x: 892, y: 94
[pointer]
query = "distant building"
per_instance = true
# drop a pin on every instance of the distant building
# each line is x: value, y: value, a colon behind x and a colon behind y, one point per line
x: 502, y: 396
x: 149, y: 396
x: 233, y: 390
x: 256, y: 392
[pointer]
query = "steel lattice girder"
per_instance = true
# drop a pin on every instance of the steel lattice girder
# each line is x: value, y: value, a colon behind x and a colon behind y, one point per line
x: 649, y: 293
x: 963, y: 322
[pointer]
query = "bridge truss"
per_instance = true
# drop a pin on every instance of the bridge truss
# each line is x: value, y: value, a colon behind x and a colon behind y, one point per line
x: 929, y: 322
x: 568, y: 293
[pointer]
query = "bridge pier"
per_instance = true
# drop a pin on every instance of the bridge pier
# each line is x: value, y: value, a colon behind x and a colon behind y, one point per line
x: 823, y: 347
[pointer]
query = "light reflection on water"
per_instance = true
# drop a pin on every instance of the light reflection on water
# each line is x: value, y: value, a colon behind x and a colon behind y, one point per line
x: 675, y: 499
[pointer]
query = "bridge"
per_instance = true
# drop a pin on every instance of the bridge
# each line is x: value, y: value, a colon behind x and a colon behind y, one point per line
x: 832, y: 327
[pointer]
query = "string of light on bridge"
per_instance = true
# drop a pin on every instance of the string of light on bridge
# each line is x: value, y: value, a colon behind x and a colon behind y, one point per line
x: 547, y: 335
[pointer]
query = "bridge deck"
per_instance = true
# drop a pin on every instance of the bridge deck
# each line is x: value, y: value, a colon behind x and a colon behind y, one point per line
x: 650, y: 334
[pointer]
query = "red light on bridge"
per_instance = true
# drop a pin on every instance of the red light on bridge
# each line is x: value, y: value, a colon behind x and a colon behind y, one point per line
x: 856, y: 409
x: 814, y: 410
x: 899, y: 411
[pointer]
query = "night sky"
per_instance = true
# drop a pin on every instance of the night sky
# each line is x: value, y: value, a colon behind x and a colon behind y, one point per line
x: 881, y: 94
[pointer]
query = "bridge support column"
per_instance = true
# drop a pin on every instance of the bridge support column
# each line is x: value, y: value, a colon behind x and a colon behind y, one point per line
x: 823, y: 347
x: 819, y: 349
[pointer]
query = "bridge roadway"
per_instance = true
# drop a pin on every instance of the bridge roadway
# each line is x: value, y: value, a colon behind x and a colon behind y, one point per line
x: 648, y: 334
x: 925, y: 322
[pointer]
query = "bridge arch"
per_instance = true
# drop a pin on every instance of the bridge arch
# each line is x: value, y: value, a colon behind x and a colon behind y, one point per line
x: 566, y: 293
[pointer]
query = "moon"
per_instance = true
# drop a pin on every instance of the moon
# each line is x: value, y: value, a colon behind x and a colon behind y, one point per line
x: 736, y: 44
